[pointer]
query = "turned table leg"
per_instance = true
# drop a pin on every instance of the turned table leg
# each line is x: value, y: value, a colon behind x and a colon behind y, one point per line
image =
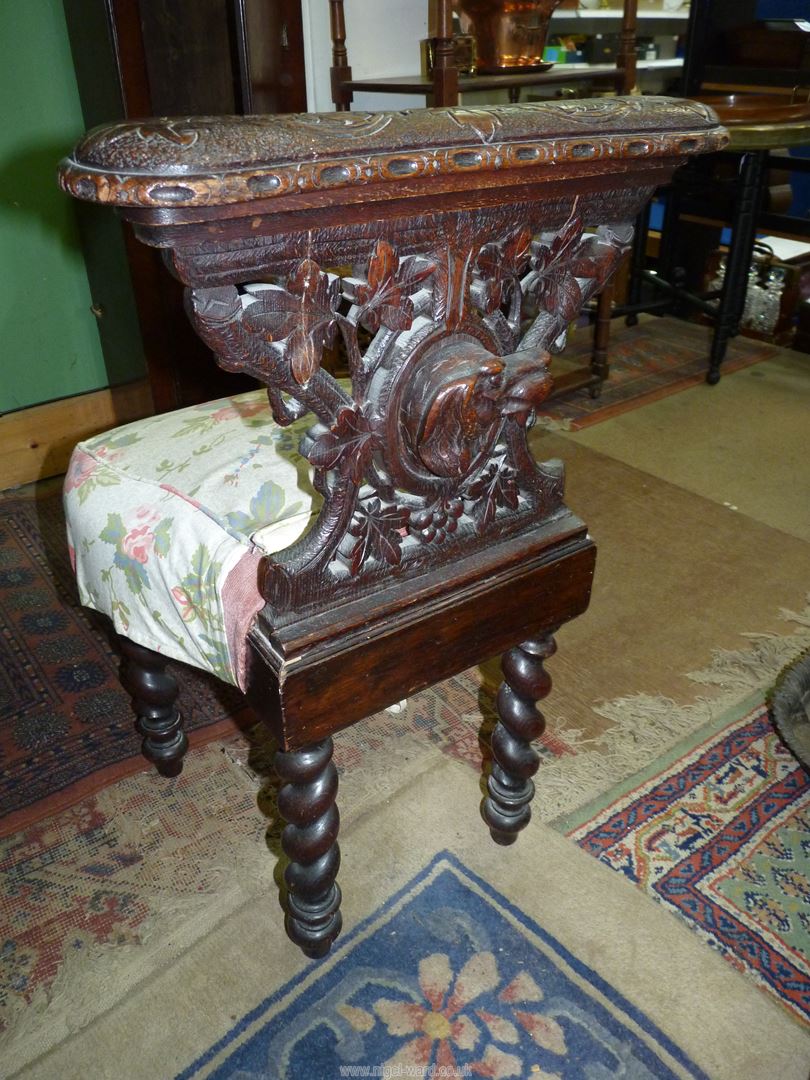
x: 747, y: 201
x: 307, y: 803
x: 154, y: 693
x: 510, y: 787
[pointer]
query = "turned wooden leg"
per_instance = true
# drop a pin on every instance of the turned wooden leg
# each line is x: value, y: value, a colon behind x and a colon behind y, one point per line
x: 600, y: 366
x: 307, y: 803
x: 510, y: 787
x: 154, y: 695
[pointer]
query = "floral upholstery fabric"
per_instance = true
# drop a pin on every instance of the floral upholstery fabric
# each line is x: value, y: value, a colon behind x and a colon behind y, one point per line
x: 168, y: 518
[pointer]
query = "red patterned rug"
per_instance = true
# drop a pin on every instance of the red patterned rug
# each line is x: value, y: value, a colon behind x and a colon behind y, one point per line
x: 720, y: 835
x: 66, y: 726
x: 650, y: 361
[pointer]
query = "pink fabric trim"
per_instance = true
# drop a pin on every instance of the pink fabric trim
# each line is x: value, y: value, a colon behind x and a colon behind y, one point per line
x: 241, y: 602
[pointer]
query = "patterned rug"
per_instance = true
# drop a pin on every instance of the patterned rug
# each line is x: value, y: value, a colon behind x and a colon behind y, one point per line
x: 720, y: 834
x: 66, y: 726
x: 657, y: 358
x: 447, y: 978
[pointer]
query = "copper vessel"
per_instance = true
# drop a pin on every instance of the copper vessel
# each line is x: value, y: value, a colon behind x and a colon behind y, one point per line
x: 509, y: 34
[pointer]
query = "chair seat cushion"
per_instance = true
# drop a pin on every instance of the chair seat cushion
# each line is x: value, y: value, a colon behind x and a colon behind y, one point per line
x: 169, y: 517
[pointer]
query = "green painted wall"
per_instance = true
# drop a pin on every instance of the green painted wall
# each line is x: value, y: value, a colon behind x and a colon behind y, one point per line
x: 49, y: 339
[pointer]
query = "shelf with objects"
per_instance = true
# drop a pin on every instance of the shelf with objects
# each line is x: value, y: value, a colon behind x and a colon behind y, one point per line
x: 508, y: 55
x: 587, y: 35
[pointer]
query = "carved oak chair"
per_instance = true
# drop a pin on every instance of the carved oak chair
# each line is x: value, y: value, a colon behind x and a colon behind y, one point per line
x: 334, y: 547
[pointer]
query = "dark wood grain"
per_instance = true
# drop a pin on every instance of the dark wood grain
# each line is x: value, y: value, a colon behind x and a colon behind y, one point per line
x: 307, y: 802
x: 507, y: 807
x: 308, y: 688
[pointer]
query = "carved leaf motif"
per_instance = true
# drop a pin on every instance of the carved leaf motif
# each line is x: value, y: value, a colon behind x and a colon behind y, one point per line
x: 561, y: 246
x: 347, y: 447
x: 562, y: 294
x: 591, y: 259
x: 587, y: 266
x: 378, y: 531
x: 504, y: 262
x: 384, y: 298
x: 506, y: 257
x: 557, y: 266
x: 441, y: 286
x: 450, y: 279
x: 496, y: 486
x: 482, y: 121
x: 150, y: 133
x: 304, y: 314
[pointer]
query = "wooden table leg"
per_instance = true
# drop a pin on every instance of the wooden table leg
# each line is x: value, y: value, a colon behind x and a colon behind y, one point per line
x: 600, y: 365
x: 307, y: 803
x: 506, y: 808
x: 154, y: 693
x: 753, y: 166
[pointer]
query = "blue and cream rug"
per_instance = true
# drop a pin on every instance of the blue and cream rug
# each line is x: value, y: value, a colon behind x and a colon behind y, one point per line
x: 449, y: 979
x: 459, y: 958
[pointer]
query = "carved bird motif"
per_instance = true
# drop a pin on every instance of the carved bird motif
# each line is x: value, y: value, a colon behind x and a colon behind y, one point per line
x: 460, y: 399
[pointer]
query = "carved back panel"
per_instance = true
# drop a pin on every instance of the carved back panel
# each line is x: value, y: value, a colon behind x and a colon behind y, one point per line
x: 449, y: 250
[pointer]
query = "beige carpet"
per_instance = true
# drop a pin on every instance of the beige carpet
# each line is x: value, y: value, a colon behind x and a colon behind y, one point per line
x: 744, y: 444
x: 679, y: 576
x: 726, y: 1026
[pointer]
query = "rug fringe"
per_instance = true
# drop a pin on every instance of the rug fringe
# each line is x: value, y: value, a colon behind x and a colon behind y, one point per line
x: 742, y: 671
x: 554, y: 423
x: 644, y: 726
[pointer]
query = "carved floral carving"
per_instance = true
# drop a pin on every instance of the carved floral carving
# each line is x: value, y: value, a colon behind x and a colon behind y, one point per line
x: 303, y: 314
x: 428, y: 447
x: 383, y: 298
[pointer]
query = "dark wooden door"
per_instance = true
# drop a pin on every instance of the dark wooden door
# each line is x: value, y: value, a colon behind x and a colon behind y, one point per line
x: 137, y: 58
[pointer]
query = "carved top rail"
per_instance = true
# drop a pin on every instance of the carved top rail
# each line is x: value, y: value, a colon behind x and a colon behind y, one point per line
x: 214, y: 161
x: 448, y: 249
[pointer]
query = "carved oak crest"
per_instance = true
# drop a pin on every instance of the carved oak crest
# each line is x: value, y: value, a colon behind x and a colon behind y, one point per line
x: 428, y: 445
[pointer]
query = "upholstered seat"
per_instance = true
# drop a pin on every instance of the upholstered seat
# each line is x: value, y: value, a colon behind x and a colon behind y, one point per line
x: 168, y: 519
